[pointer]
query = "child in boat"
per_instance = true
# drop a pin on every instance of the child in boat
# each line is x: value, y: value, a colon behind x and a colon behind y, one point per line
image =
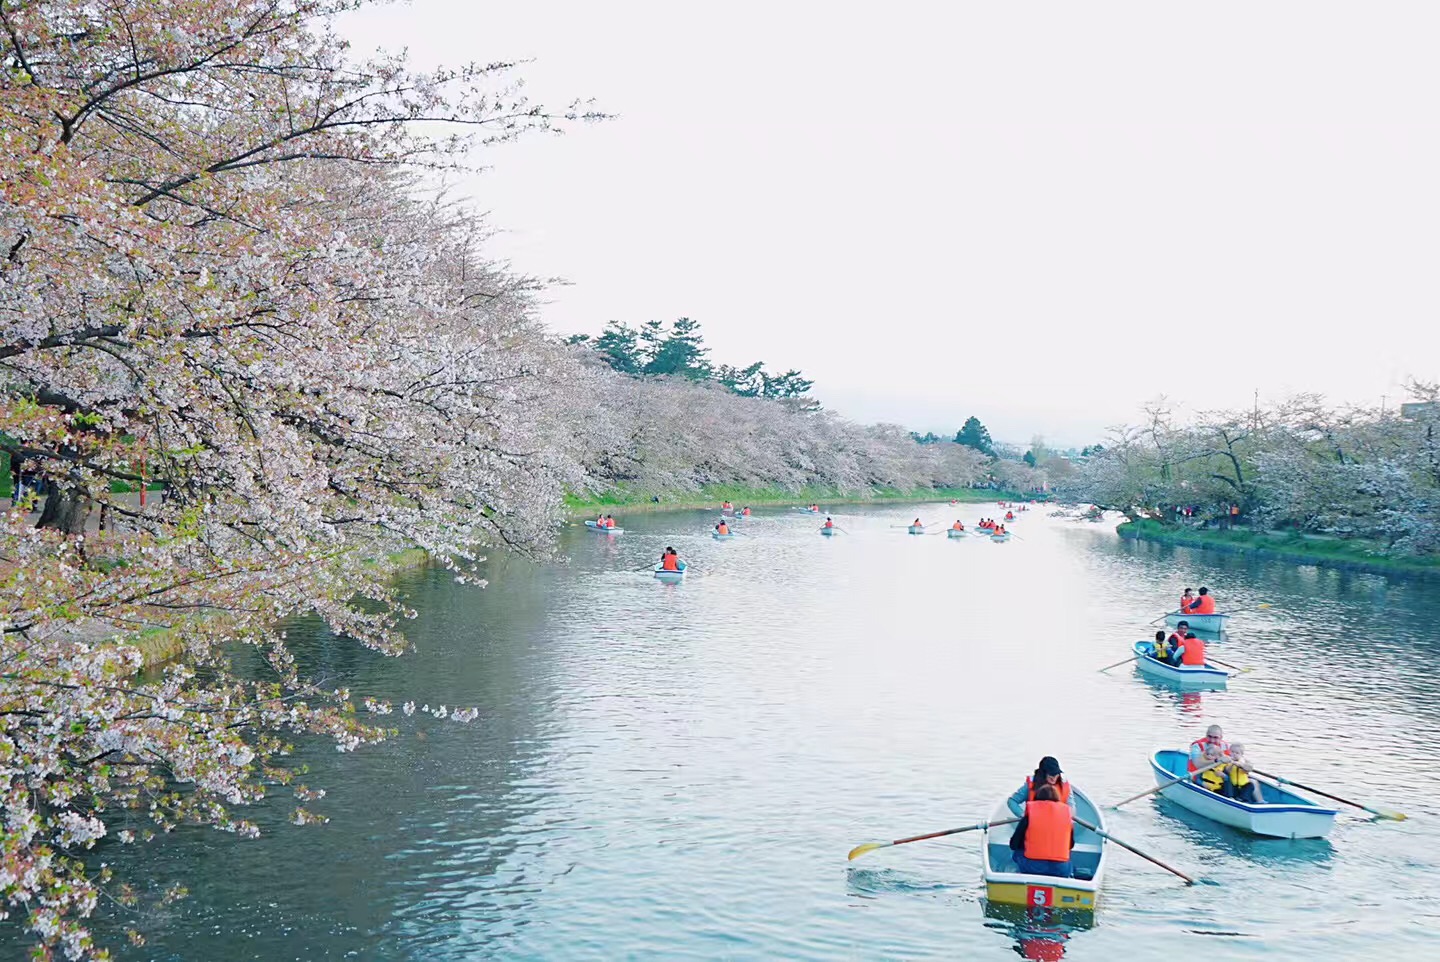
x: 1162, y: 650
x: 1238, y: 783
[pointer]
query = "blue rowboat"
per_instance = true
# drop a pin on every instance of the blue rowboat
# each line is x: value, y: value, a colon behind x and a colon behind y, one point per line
x: 917, y: 529
x: 806, y: 510
x: 1184, y: 677
x: 1211, y: 624
x: 600, y: 529
x: 1005, y: 884
x: 954, y: 533
x: 721, y: 537
x: 664, y: 575
x: 1283, y: 815
x: 1002, y: 538
x: 828, y: 532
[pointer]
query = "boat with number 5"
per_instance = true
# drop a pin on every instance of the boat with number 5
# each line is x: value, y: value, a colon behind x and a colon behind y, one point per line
x: 1284, y: 814
x: 1184, y: 677
x: 664, y: 575
x: 1007, y: 885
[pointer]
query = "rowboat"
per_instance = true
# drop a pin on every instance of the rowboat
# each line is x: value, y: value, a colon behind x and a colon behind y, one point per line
x: 1006, y: 885
x: 664, y: 575
x: 1213, y: 624
x: 828, y: 532
x: 807, y: 510
x: 1003, y: 537
x: 1283, y: 815
x: 1184, y: 677
x: 917, y: 529
x: 722, y: 537
x: 955, y: 533
x: 601, y: 529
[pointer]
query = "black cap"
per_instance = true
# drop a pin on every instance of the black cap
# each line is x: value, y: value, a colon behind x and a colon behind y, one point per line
x: 1049, y: 766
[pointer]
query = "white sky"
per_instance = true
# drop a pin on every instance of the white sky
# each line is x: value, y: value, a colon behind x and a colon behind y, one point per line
x: 1039, y: 214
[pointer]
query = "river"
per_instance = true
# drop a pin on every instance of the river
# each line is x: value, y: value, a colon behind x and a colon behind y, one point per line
x: 677, y: 771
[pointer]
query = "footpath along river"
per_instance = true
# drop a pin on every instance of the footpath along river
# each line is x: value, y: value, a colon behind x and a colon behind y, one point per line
x: 677, y: 771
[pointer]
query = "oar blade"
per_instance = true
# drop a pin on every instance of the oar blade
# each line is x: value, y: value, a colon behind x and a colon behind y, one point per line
x: 868, y: 847
x: 1386, y: 813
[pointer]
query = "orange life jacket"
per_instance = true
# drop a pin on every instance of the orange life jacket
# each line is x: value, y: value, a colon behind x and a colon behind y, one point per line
x: 957, y: 526
x: 1047, y: 831
x: 1062, y: 786
x: 1185, y: 604
x: 1009, y: 516
x: 670, y: 563
x: 609, y: 522
x: 1194, y: 652
x: 1204, y: 605
x: 829, y: 524
x: 1190, y: 766
x: 746, y: 512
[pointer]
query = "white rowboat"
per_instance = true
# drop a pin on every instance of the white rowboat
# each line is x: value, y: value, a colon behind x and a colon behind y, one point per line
x: 1213, y: 624
x: 1007, y: 885
x: 664, y: 575
x: 601, y: 529
x: 1283, y: 815
x: 1184, y: 677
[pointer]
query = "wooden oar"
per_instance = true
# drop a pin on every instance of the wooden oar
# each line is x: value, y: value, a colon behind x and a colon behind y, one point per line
x: 1119, y: 663
x: 1130, y: 848
x: 860, y: 850
x: 1164, y: 785
x: 1378, y: 812
x: 1225, y: 664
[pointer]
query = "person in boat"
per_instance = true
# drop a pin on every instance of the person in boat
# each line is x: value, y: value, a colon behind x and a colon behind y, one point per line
x: 726, y: 506
x: 609, y: 521
x: 1187, y: 598
x: 1177, y: 639
x: 916, y: 524
x: 828, y: 523
x: 1202, y: 605
x: 1162, y: 649
x: 722, y: 527
x: 669, y: 561
x: 1009, y: 516
x: 957, y: 526
x: 1212, y: 748
x: 1238, y: 783
x: 746, y: 512
x: 1190, y: 650
x: 1046, y: 773
x: 1044, y: 836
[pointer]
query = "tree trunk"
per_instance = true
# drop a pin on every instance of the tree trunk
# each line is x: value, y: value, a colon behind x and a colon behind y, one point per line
x: 66, y: 509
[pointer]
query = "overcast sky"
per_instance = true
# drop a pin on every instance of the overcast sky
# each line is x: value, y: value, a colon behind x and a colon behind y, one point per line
x: 1039, y: 214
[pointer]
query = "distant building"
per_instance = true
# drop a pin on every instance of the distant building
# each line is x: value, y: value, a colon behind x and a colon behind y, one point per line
x: 1420, y: 409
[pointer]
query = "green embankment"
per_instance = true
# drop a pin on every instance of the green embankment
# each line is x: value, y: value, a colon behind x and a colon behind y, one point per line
x: 711, y: 495
x: 1324, y: 551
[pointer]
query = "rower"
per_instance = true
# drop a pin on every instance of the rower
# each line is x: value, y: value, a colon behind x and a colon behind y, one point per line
x: 669, y: 561
x: 746, y: 512
x: 1042, y: 841
x: 609, y: 521
x: 722, y: 527
x: 1046, y: 773
x: 916, y: 524
x: 1009, y: 516
x: 1203, y: 605
x: 1211, y: 748
x: 957, y: 526
x: 1177, y: 639
x: 1191, y: 650
x: 828, y: 523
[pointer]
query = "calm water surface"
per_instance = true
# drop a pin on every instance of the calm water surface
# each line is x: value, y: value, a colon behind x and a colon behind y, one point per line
x: 678, y: 771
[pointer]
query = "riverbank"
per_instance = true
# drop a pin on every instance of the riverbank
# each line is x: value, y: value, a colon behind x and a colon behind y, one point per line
x: 1283, y: 546
x: 710, y: 496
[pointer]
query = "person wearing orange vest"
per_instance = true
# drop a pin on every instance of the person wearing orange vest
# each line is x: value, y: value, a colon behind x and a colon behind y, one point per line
x: 1042, y: 841
x: 1009, y: 516
x: 957, y: 526
x: 1203, y: 605
x: 746, y: 512
x: 609, y: 521
x: 669, y: 561
x: 828, y: 523
x: 1211, y: 748
x: 1046, y: 773
x: 1192, y: 651
x: 722, y: 527
x: 1187, y: 598
x: 1176, y: 641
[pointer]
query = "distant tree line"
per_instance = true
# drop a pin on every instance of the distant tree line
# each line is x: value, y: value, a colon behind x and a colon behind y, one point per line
x: 678, y: 350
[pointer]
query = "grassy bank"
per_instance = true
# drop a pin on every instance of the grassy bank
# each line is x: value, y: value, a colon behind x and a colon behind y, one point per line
x: 711, y: 495
x: 1327, y: 552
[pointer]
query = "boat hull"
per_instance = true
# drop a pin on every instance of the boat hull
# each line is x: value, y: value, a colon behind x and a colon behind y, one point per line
x: 1214, y: 624
x: 917, y: 529
x: 599, y: 530
x: 828, y: 532
x: 954, y: 533
x: 1286, y: 815
x: 664, y: 575
x: 1001, y: 538
x: 1005, y: 885
x: 721, y: 537
x: 1184, y: 677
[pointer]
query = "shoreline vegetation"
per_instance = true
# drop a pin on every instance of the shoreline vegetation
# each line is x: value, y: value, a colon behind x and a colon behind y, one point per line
x: 1295, y: 547
x: 710, y: 496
